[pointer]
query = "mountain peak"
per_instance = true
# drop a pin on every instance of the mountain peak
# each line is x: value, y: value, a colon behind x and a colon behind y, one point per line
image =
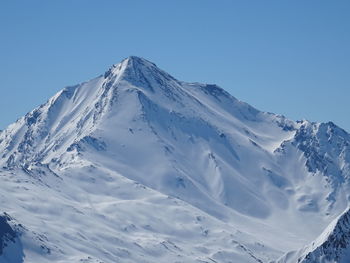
x: 128, y: 63
x: 137, y: 69
x: 138, y: 61
x: 140, y: 73
x: 134, y: 62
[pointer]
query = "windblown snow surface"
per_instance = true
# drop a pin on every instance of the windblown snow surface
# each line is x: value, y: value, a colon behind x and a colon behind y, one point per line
x: 136, y: 166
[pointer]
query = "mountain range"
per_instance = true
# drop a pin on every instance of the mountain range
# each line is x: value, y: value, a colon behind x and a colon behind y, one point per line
x: 137, y: 166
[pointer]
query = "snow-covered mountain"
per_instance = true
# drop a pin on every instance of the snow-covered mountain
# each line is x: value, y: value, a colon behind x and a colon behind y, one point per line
x: 136, y: 166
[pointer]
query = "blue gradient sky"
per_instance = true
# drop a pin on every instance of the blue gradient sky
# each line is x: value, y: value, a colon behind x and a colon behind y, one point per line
x: 287, y: 57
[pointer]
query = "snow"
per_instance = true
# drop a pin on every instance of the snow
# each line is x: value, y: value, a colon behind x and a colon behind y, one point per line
x: 331, y: 246
x: 136, y: 166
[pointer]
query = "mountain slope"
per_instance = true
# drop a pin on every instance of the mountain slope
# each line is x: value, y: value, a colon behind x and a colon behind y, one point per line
x: 331, y: 246
x: 138, y: 149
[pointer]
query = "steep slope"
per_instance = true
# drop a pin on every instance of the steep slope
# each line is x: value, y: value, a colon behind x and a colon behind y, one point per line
x: 137, y: 148
x: 333, y: 245
x: 326, y: 148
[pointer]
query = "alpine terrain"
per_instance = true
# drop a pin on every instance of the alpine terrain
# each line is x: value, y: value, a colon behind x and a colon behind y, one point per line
x: 137, y: 166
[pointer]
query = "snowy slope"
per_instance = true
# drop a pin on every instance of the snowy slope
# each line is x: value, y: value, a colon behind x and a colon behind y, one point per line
x: 136, y: 166
x: 333, y: 245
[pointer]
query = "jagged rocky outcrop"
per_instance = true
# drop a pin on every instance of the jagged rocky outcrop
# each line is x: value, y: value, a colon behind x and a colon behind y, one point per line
x: 7, y: 234
x: 327, y: 149
x: 10, y: 244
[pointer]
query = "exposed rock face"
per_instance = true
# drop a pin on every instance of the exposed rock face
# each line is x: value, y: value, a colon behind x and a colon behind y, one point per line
x: 7, y: 234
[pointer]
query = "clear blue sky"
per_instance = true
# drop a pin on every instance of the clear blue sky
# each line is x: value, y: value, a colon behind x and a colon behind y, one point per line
x: 288, y: 57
